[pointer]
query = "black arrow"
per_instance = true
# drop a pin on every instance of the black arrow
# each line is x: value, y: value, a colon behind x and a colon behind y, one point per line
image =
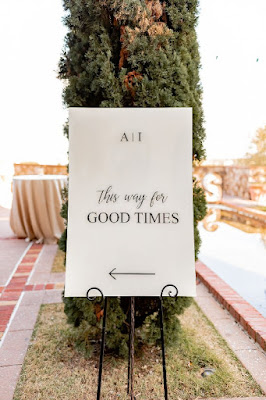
x: 112, y: 273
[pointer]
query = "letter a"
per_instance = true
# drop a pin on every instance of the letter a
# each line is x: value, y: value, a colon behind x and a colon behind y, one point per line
x: 124, y: 136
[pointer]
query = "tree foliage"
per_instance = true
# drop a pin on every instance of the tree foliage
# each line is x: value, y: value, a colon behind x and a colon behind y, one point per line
x: 133, y: 53
x: 257, y: 154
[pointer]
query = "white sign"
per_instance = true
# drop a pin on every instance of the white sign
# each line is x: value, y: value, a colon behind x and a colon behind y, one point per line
x: 130, y: 226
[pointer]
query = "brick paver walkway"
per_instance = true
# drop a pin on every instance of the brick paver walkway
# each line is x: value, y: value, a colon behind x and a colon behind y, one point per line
x: 27, y: 276
x: 23, y: 267
x: 26, y: 282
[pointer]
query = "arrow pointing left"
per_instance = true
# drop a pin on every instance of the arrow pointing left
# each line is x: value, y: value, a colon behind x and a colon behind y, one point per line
x: 112, y: 273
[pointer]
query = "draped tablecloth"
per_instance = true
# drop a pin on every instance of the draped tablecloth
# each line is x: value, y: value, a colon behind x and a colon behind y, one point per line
x: 35, y: 212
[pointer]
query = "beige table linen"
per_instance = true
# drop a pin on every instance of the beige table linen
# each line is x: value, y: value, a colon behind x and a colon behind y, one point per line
x: 36, y: 205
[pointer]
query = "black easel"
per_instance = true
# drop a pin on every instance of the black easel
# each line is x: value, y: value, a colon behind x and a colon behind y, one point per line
x: 130, y: 375
x: 130, y: 385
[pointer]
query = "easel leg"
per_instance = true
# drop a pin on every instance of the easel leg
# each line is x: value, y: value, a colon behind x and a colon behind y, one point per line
x: 130, y: 381
x: 102, y: 351
x: 129, y: 352
x: 163, y: 349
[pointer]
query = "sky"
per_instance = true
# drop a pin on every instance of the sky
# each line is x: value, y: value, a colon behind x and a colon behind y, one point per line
x: 231, y: 35
x: 32, y: 114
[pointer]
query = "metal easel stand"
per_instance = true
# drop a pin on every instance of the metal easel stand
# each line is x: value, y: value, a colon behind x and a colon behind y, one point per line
x: 130, y: 385
x: 170, y: 294
x: 131, y: 350
x: 103, y: 337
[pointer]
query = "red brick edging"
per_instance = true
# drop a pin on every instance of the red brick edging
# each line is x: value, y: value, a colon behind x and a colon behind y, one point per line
x: 251, y: 320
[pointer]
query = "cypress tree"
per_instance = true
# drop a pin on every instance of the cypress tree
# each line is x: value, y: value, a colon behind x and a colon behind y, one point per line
x: 132, y: 53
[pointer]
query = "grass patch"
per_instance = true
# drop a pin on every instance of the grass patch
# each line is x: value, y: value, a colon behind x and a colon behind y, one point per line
x: 59, y: 262
x: 54, y: 369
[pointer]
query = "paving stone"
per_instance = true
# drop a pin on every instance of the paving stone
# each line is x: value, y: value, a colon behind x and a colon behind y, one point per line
x: 251, y: 320
x: 45, y: 260
x: 39, y: 286
x: 7, y: 302
x: 250, y: 354
x: 201, y: 292
x: 9, y: 296
x: 3, y: 327
x: 49, y: 286
x: 39, y: 277
x: 29, y: 287
x: 30, y: 298
x: 213, y: 311
x: 52, y: 296
x: 57, y: 277
x: 10, y: 253
x: 14, y: 347
x: 223, y: 321
x: 8, y: 307
x: 232, y: 332
x: 8, y: 379
x: 25, y: 318
x: 256, y: 362
x: 60, y: 285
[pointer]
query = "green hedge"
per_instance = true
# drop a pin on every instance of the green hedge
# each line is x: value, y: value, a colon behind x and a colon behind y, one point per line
x: 132, y: 53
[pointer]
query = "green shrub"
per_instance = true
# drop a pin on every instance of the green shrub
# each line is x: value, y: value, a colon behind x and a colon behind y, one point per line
x: 132, y: 53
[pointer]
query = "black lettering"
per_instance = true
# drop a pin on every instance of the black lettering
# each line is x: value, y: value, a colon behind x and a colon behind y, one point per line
x: 175, y: 217
x: 111, y: 217
x: 100, y: 217
x: 138, y: 215
x: 94, y: 218
x: 101, y: 194
x: 122, y: 217
x: 152, y: 219
x: 166, y: 216
x: 124, y: 136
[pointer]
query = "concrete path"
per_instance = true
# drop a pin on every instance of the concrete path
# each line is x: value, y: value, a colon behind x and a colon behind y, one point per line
x: 11, y: 248
x: 250, y: 319
x: 247, y: 351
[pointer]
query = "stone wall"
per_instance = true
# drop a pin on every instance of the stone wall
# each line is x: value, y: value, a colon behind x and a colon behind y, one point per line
x: 247, y: 183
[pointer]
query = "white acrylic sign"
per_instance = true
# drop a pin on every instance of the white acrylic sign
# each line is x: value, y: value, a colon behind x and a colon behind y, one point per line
x: 130, y: 226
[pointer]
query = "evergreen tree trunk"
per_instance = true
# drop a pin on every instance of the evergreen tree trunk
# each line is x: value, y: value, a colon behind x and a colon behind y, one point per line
x: 132, y: 53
